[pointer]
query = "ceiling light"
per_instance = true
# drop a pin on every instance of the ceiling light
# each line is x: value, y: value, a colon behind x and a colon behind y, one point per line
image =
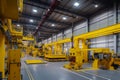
x: 31, y: 20
x: 96, y: 5
x: 76, y: 4
x: 53, y: 24
x: 64, y: 18
x: 19, y: 8
x: 18, y: 25
x: 34, y: 10
x: 36, y: 27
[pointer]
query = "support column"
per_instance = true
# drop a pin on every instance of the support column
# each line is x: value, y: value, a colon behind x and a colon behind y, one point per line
x: 85, y: 46
x: 47, y: 40
x: 52, y: 38
x: 116, y: 12
x: 63, y: 43
x: 2, y: 54
x: 72, y: 29
x: 87, y: 26
x: 115, y: 43
x: 76, y: 43
x: 62, y: 34
x: 56, y: 37
x: 115, y: 22
x: 73, y: 43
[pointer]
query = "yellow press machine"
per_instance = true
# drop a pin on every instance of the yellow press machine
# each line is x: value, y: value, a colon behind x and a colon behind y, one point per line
x: 54, y: 51
x: 35, y: 51
x: 103, y: 58
x: 78, y: 55
x: 116, y: 59
x: 28, y: 47
x: 41, y: 51
x: 9, y: 10
x: 31, y: 48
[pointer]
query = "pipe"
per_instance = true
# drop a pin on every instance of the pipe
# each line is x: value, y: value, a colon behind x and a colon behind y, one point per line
x: 54, y: 4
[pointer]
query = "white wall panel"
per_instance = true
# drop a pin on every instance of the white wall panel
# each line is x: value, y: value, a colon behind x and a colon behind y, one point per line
x: 68, y: 33
x: 59, y: 36
x: 80, y: 29
x: 67, y: 46
x: 49, y: 40
x: 102, y: 42
x: 54, y: 38
x: 118, y: 44
x: 44, y: 41
x: 119, y: 13
x: 104, y: 19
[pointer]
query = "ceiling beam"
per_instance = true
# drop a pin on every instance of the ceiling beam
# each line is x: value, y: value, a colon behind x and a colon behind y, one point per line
x: 58, y: 8
x: 32, y: 30
x: 48, y: 20
x: 34, y: 25
x: 29, y: 3
x: 41, y: 31
x: 49, y: 29
x: 45, y: 35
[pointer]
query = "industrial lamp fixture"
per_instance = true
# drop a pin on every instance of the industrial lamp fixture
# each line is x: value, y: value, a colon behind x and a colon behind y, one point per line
x: 76, y: 4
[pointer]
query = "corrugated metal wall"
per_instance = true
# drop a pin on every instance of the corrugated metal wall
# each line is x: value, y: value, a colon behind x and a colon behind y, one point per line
x: 102, y: 42
x: 101, y: 20
x: 118, y: 44
x: 80, y: 29
x: 44, y: 41
x: 59, y: 36
x: 54, y: 38
x: 119, y: 13
x: 98, y: 21
x: 68, y: 33
x: 118, y: 40
x: 49, y: 40
x: 67, y: 46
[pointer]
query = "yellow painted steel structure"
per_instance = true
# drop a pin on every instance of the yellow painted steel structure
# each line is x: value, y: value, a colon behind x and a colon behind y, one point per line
x: 2, y: 55
x: 83, y: 46
x: 76, y: 58
x: 35, y: 51
x: 14, y: 64
x: 103, y: 58
x: 83, y: 38
x: 9, y: 9
x: 117, y: 61
x: 101, y: 32
x: 35, y: 61
x: 97, y: 33
x: 26, y: 38
x: 55, y: 54
x: 28, y: 50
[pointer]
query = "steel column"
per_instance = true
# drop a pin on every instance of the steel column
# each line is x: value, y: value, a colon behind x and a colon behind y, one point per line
x: 115, y: 43
x: 2, y: 55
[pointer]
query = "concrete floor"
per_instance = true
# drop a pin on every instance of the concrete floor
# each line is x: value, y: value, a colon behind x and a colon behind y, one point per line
x: 55, y: 71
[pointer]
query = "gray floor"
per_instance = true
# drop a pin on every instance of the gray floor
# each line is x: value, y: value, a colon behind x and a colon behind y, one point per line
x: 55, y: 71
